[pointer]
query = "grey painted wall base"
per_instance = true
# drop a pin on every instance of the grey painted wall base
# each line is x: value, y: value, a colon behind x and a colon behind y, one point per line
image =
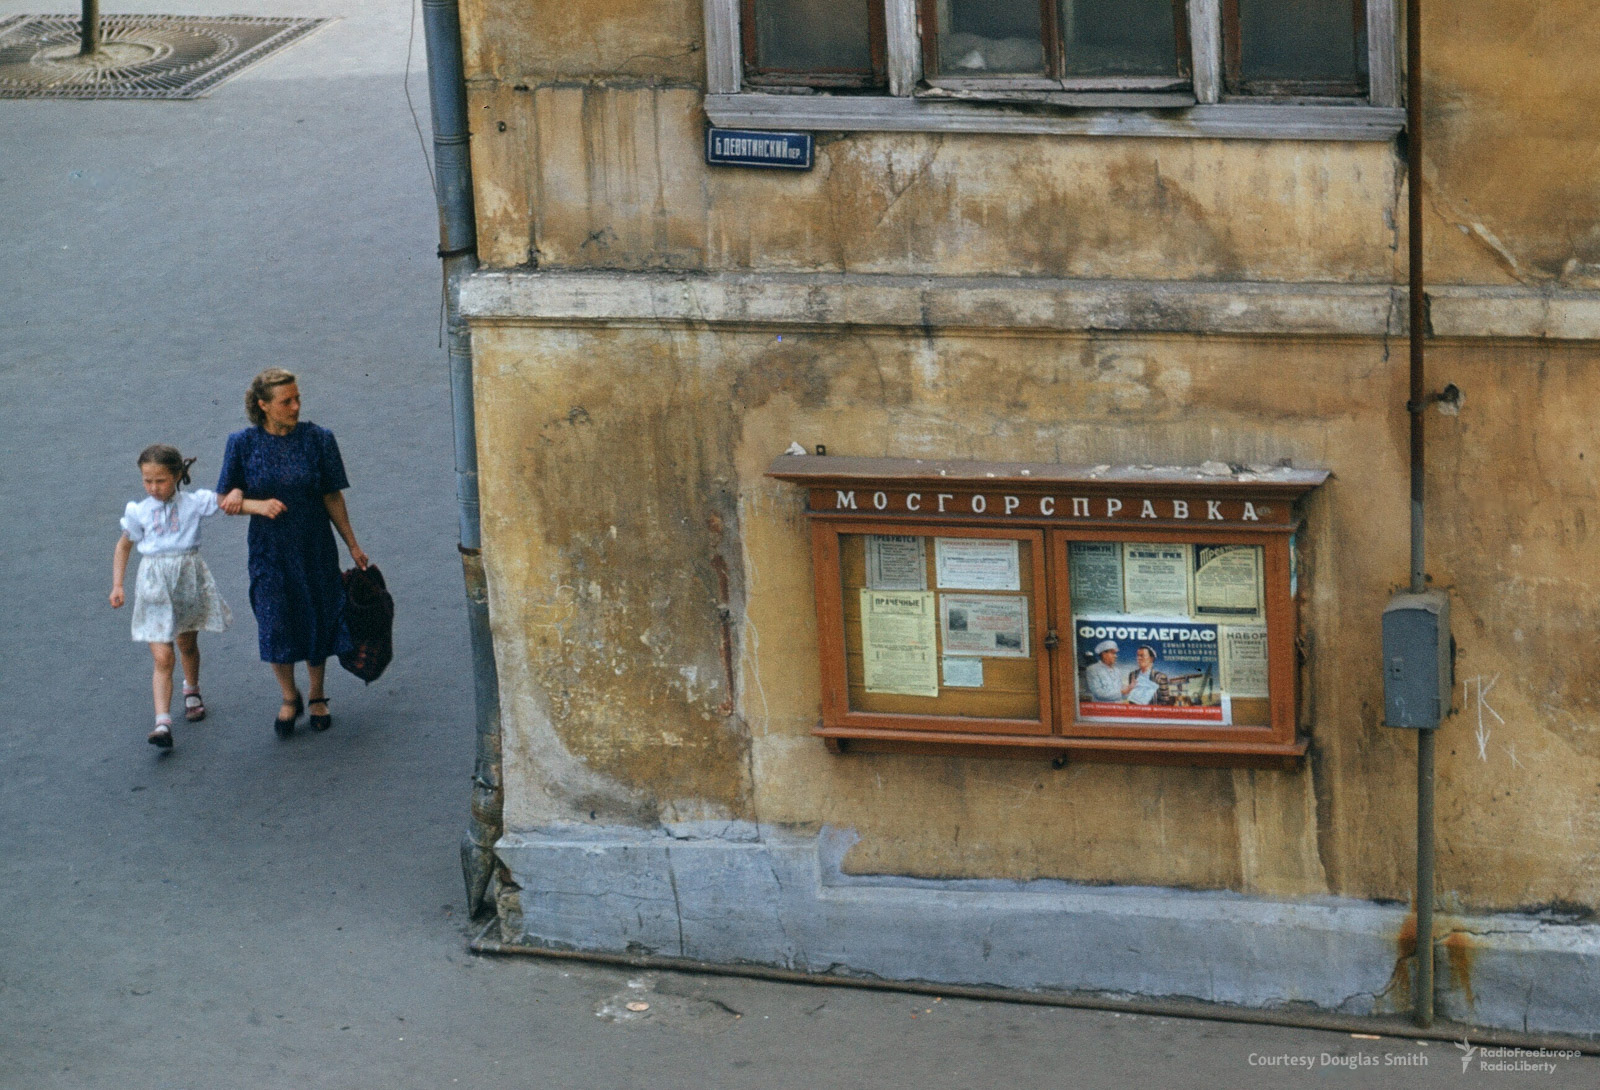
x: 734, y: 893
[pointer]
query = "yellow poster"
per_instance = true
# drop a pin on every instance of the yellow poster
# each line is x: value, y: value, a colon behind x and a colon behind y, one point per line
x: 899, y: 642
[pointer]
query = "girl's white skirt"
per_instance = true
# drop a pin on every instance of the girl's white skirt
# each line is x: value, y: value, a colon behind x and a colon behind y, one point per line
x: 176, y: 594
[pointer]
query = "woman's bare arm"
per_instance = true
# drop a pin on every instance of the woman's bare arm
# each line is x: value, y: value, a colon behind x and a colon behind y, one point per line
x: 334, y: 502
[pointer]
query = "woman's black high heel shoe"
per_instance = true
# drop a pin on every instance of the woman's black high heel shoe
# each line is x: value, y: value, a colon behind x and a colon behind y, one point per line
x: 320, y: 722
x: 285, y: 727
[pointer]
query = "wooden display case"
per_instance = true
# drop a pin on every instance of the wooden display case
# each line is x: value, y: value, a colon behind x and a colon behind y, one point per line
x: 1094, y: 613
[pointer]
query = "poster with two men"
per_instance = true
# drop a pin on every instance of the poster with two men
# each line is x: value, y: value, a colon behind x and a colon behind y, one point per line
x: 1149, y: 670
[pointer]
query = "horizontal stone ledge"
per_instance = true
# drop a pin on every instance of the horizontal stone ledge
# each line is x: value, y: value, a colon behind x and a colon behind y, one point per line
x: 769, y: 896
x: 1007, y: 304
x: 1513, y: 312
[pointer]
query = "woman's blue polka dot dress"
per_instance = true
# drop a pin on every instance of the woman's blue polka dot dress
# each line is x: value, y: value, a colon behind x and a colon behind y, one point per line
x: 295, y: 589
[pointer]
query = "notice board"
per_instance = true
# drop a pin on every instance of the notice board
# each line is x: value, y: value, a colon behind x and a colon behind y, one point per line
x: 1109, y: 613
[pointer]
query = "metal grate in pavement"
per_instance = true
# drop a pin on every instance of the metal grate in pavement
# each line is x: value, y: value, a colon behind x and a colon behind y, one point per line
x: 141, y: 56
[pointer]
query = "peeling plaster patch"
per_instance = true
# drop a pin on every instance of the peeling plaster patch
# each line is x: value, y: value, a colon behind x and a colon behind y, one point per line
x: 561, y: 777
x: 742, y: 832
x: 697, y: 819
x: 750, y: 636
x: 1476, y: 229
x: 1501, y: 250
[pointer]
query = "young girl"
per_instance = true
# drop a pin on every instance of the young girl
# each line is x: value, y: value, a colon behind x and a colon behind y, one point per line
x: 175, y: 597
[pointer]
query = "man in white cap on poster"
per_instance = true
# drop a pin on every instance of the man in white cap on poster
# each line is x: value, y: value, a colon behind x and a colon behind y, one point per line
x: 1142, y: 686
x: 1100, y: 676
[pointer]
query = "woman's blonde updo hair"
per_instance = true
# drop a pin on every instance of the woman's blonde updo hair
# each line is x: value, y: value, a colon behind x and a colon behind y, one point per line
x: 261, y: 388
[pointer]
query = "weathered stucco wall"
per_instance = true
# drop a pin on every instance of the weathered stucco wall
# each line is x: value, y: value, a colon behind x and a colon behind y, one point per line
x: 651, y: 589
x: 609, y: 510
x: 1510, y: 148
x: 586, y: 153
x: 601, y: 176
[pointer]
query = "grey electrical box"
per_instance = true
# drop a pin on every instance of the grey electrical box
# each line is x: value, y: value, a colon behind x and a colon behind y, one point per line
x: 1417, y: 668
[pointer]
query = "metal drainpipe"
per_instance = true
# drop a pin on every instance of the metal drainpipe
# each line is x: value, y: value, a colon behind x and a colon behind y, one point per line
x: 441, y: 23
x: 1422, y: 1007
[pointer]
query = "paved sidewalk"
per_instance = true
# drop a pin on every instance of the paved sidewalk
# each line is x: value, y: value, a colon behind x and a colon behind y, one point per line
x: 250, y: 913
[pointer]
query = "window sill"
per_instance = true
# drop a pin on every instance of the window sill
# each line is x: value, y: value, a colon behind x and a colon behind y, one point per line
x: 1073, y: 99
x: 885, y: 113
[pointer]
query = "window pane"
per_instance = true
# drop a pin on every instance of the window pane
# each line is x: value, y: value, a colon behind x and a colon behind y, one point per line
x: 1314, y: 41
x: 812, y: 36
x: 1119, y: 37
x: 990, y: 38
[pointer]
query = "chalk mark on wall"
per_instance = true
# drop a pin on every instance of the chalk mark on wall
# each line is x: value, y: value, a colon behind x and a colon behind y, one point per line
x: 1483, y: 705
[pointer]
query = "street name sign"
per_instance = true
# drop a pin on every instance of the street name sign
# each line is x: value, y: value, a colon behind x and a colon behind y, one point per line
x: 752, y: 148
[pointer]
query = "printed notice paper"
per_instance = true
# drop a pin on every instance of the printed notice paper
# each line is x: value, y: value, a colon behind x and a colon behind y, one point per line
x: 898, y: 642
x: 1244, y: 660
x: 985, y: 624
x: 1155, y: 578
x: 1227, y: 581
x: 1096, y: 568
x: 963, y: 673
x: 966, y: 563
x: 897, y: 562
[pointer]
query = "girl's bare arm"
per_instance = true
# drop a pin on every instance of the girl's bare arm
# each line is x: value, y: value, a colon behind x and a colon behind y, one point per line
x: 119, y: 569
x: 266, y: 508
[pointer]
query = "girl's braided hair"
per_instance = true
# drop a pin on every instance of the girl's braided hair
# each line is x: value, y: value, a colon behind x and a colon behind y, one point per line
x: 169, y: 459
x: 261, y: 388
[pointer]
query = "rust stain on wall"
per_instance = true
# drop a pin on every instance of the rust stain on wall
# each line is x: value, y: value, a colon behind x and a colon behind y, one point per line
x: 1460, y: 953
x: 1398, y: 994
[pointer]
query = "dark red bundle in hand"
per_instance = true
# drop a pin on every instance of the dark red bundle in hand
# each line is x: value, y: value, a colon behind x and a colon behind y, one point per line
x: 369, y: 618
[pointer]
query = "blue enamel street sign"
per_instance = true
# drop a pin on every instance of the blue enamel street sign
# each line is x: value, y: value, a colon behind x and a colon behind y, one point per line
x: 748, y: 148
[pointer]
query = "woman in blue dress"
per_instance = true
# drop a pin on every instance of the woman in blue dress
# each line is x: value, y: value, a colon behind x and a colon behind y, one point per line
x: 295, y: 588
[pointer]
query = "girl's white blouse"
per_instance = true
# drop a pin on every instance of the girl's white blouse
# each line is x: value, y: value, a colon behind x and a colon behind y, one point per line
x: 161, y: 529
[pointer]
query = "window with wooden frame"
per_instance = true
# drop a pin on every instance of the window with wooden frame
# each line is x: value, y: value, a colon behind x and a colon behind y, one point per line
x: 1249, y: 69
x: 1102, y: 614
x: 1049, y: 45
x: 1295, y: 48
x: 813, y: 43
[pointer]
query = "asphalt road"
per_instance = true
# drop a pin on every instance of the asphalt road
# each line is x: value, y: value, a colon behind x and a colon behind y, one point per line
x: 247, y: 912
